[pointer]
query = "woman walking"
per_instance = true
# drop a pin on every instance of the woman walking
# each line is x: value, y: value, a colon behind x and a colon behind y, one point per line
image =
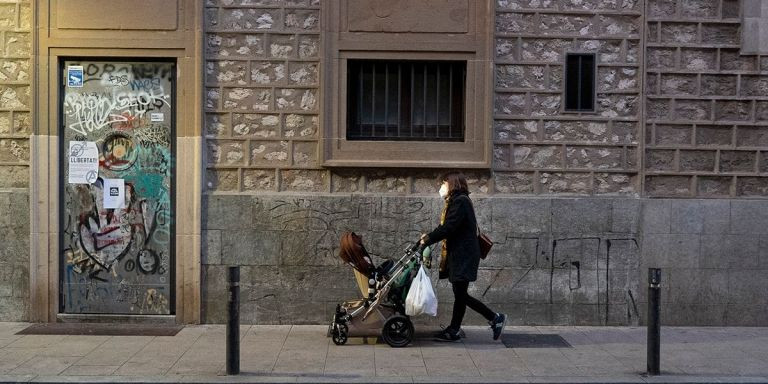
x: 460, y: 256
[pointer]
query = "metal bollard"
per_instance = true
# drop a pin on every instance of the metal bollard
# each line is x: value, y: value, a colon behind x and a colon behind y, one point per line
x: 233, y: 322
x: 654, y: 326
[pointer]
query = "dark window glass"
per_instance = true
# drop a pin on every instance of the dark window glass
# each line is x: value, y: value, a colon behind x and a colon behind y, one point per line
x: 580, y: 82
x: 405, y: 100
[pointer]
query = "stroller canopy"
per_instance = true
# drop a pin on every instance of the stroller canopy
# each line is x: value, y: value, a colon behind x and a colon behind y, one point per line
x: 353, y: 253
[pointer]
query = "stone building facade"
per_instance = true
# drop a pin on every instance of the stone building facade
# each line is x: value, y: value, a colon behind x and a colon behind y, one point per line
x: 669, y: 170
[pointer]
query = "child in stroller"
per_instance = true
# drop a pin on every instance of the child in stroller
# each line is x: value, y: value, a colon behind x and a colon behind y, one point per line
x: 384, y: 288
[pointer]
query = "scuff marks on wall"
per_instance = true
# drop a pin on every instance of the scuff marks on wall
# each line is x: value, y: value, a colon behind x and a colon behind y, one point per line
x: 117, y: 260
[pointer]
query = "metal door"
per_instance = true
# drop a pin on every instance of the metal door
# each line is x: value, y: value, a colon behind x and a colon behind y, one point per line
x: 117, y: 177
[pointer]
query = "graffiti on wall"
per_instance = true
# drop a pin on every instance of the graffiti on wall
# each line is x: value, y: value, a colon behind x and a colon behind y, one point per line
x: 118, y: 260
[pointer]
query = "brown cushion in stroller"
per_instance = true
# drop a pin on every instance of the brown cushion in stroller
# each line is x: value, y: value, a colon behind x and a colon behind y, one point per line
x: 353, y: 253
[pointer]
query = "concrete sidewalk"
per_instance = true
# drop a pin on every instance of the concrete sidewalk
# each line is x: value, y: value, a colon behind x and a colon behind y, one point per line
x: 305, y: 354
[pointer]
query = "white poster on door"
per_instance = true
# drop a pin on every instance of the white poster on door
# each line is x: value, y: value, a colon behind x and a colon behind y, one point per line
x: 114, y: 193
x: 83, y: 162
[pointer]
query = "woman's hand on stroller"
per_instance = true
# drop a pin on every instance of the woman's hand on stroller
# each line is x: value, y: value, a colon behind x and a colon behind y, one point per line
x: 423, y: 239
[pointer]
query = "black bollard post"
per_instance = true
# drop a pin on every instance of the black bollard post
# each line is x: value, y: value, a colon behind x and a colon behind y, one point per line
x: 233, y: 322
x: 654, y: 326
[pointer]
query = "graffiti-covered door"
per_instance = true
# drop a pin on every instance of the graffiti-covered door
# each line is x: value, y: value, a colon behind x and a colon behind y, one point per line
x: 117, y: 133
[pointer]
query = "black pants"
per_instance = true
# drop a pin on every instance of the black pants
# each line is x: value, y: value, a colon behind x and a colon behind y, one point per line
x: 462, y: 300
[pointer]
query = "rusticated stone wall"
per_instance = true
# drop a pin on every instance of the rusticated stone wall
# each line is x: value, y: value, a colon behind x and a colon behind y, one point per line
x: 15, y: 128
x: 707, y: 104
x: 539, y: 148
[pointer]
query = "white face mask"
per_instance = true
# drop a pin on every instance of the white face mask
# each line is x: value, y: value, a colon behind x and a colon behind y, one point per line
x: 443, y: 190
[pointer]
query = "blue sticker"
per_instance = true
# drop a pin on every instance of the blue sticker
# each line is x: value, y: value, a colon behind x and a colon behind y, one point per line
x: 75, y: 76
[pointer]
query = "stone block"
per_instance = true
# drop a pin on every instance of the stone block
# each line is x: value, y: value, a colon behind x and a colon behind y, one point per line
x: 545, y: 105
x: 247, y: 99
x: 731, y: 9
x: 617, y: 79
x: 506, y: 49
x: 582, y: 131
x: 747, y: 286
x: 700, y: 8
x: 761, y: 111
x: 624, y: 26
x: 300, y: 125
x: 662, y: 8
x: 550, y: 50
x: 514, y: 22
x: 594, y: 157
x: 678, y: 84
x: 510, y: 103
x: 671, y: 251
x: 349, y: 182
x: 671, y: 186
x: 608, y: 51
x: 264, y: 73
x: 652, y: 84
x: 217, y: 124
x: 226, y: 152
x: 14, y: 70
x: 657, y: 109
x: 679, y: 33
x: 716, y: 216
x: 15, y: 96
x: 537, y: 156
x: 732, y: 60
x: 714, y: 135
x: 698, y: 59
x: 501, y: 155
x: 751, y: 137
x: 762, y: 162
x: 309, y: 46
x: 693, y: 110
x: 617, y: 105
x: 737, y: 161
x: 674, y: 134
x: 258, y: 180
x: 697, y: 161
x: 752, y: 186
x: 18, y: 44
x: 282, y: 46
x: 581, y: 216
x: 615, y: 184
x: 713, y: 186
x: 226, y: 72
x: 660, y: 159
x: 214, y: 297
x: 296, y: 99
x: 212, y: 249
x: 218, y: 211
x: 303, y: 73
x: 14, y: 150
x: 514, y: 250
x: 304, y: 154
x: 249, y: 247
x: 516, y: 130
x: 234, y: 45
x: 686, y: 216
x: 720, y: 34
x: 746, y: 315
x: 566, y: 183
x: 249, y: 19
x: 718, y: 85
x: 749, y: 217
x: 733, y: 110
x: 256, y: 125
x: 729, y: 251
x: 661, y: 58
x: 513, y: 182
x: 302, y: 19
x: 212, y: 98
x: 625, y: 215
x: 521, y: 76
x: 550, y: 24
x: 303, y: 180
x: 754, y: 85
x: 624, y: 132
x: 384, y: 182
x: 655, y: 216
x: 14, y: 176
x: 269, y: 153
x: 522, y: 215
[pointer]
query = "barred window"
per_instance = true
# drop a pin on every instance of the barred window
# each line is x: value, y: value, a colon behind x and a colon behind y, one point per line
x: 580, y: 82
x: 405, y: 100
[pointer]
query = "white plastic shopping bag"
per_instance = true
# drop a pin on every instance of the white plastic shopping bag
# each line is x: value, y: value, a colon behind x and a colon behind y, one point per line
x: 421, y: 298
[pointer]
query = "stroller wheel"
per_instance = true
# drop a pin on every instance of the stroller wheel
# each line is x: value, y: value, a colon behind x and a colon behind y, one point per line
x: 339, y: 334
x: 397, y: 331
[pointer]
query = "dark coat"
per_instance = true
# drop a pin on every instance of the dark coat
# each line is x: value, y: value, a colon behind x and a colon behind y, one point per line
x: 460, y: 230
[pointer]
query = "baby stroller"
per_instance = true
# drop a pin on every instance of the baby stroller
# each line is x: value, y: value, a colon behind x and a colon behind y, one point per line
x: 384, y: 288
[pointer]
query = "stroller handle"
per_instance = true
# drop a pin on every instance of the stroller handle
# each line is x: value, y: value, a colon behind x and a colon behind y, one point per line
x: 417, y: 246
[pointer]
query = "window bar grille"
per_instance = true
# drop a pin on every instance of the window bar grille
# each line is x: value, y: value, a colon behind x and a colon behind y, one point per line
x: 386, y: 100
x: 424, y: 104
x: 437, y: 107
x: 413, y: 75
x: 578, y: 86
x: 399, y: 96
x: 450, y: 101
x: 373, y: 100
x: 360, y: 101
